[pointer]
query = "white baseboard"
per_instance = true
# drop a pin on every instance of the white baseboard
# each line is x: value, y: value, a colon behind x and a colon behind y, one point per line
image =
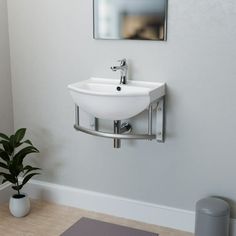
x: 112, y: 205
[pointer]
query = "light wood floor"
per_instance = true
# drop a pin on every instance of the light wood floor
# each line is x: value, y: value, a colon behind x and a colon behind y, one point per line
x: 48, y: 219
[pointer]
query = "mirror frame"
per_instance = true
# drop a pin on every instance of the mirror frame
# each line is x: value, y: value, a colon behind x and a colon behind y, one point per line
x: 165, y: 27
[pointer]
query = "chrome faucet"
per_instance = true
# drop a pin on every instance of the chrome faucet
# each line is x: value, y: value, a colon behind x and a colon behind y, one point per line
x: 123, y: 70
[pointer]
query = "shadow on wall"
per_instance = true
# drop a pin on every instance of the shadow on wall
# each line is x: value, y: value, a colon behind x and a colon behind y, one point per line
x: 47, y: 145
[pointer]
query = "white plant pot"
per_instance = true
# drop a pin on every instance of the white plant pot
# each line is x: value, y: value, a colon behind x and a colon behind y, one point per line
x: 19, y: 207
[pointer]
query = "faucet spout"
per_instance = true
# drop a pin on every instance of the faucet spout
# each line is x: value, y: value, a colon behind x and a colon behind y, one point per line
x: 115, y: 68
x: 123, y: 70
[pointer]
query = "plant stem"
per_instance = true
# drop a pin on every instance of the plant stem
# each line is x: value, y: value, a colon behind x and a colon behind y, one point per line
x: 17, y: 184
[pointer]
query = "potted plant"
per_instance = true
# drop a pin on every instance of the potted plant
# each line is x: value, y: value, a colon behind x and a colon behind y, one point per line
x: 13, y: 150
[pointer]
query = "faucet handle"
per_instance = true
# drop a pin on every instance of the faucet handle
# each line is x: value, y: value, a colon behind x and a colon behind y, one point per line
x: 122, y: 62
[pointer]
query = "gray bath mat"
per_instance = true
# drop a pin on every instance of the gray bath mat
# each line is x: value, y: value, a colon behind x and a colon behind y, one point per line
x: 89, y: 227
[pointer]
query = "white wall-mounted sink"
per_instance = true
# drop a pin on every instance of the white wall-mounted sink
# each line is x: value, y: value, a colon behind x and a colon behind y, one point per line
x: 107, y: 99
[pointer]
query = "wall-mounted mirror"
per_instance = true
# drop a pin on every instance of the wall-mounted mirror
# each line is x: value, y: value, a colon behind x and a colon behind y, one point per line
x: 130, y: 19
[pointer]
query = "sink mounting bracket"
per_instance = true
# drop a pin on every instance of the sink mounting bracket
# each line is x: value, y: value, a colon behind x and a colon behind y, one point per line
x: 159, y: 134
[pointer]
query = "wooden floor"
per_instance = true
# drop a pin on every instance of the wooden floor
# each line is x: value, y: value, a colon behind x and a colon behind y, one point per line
x: 48, y: 219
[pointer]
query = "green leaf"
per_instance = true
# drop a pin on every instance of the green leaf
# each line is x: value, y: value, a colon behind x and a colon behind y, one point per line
x: 4, y: 181
x: 28, y: 142
x: 19, y: 157
x: 19, y: 135
x: 29, y: 169
x: 17, y: 188
x: 8, y: 177
x: 28, y: 177
x: 12, y: 141
x: 7, y: 147
x: 4, y: 136
x: 3, y: 165
x: 4, y: 155
x: 14, y: 168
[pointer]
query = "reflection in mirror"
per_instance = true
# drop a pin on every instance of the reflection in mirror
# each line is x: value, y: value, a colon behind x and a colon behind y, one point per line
x: 130, y: 19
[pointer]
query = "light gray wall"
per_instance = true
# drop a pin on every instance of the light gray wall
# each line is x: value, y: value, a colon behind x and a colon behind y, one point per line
x: 6, y: 108
x: 52, y: 46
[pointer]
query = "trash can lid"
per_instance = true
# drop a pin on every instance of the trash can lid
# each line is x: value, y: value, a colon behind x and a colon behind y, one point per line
x: 212, y: 206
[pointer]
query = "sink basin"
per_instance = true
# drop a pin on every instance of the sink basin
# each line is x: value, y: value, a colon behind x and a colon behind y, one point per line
x: 107, y: 99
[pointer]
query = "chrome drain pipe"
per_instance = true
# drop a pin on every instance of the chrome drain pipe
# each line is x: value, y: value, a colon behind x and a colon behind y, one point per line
x: 116, y: 131
x: 120, y: 129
